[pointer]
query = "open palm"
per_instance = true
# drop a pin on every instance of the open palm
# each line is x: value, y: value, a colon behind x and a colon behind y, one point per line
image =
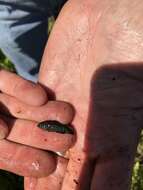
x: 94, y: 61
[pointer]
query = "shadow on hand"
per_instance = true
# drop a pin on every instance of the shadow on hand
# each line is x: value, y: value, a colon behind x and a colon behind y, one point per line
x: 114, y: 124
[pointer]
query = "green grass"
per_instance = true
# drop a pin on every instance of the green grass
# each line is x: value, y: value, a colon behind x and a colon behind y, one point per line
x: 5, y: 63
x: 137, y: 177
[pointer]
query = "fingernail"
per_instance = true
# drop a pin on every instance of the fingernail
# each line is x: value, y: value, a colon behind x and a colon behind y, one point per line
x: 56, y: 126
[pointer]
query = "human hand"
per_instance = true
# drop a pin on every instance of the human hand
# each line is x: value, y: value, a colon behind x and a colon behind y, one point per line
x: 20, y: 100
x: 93, y: 60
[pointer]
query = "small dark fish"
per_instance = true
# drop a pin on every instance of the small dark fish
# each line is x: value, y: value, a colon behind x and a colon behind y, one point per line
x: 55, y: 126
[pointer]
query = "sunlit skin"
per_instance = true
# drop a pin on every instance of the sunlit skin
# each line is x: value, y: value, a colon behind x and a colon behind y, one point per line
x: 18, y: 128
x: 93, y: 60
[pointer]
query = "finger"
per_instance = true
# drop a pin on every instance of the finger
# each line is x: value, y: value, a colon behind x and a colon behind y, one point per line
x: 27, y: 132
x: 25, y: 91
x: 53, y: 110
x: 3, y: 129
x: 53, y: 181
x: 25, y: 161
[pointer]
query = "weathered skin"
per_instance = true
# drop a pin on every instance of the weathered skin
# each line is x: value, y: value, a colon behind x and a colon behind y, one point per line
x: 18, y: 87
x: 94, y: 60
x: 54, y: 181
x: 27, y: 132
x: 12, y: 106
x: 16, y: 115
x: 26, y: 161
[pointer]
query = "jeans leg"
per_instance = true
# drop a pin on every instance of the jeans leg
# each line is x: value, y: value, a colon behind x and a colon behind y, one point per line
x: 23, y: 35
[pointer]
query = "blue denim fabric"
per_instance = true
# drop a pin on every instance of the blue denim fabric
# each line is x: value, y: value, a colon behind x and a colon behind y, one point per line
x: 23, y: 32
